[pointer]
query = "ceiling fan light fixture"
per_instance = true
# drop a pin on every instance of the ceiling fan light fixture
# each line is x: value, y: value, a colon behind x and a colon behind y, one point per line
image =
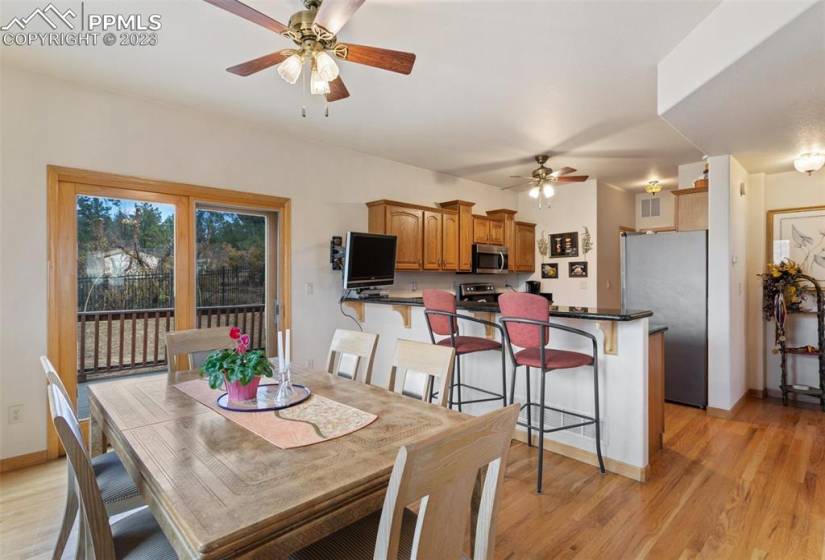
x: 290, y: 69
x: 547, y: 190
x: 317, y: 85
x: 534, y: 192
x: 809, y: 163
x: 327, y: 69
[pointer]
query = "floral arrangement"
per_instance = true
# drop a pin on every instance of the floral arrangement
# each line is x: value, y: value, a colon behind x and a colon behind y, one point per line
x: 781, y: 282
x: 239, y: 364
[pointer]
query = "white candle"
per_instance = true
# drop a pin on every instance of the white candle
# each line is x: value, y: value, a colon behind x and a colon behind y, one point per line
x: 287, y: 349
x: 280, y: 351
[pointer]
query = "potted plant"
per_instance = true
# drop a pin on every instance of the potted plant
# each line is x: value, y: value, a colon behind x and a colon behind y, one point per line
x: 238, y: 369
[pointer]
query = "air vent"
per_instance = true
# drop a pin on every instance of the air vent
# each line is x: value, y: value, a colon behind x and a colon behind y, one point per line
x: 651, y: 207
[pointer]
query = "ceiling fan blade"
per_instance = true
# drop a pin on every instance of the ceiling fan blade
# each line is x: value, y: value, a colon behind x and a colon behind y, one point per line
x: 394, y: 61
x: 521, y: 177
x: 251, y: 14
x: 563, y: 171
x: 337, y: 90
x: 334, y: 14
x: 571, y: 179
x: 256, y: 65
x: 518, y: 185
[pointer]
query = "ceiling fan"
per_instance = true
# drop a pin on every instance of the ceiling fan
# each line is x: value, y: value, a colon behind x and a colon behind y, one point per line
x: 314, y: 31
x: 543, y: 178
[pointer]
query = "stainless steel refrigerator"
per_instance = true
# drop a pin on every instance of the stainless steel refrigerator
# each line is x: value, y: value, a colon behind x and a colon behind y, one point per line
x: 667, y: 273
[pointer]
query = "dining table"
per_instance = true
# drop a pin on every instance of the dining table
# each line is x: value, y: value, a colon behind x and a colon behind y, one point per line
x: 218, y: 490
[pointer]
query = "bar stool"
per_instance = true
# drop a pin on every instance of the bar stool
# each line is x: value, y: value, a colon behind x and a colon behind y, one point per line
x: 442, y: 319
x: 526, y: 324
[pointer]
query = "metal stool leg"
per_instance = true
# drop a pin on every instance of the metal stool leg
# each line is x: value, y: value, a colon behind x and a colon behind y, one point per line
x: 541, y: 433
x: 458, y: 374
x: 503, y: 378
x: 529, y: 406
x: 513, y: 384
x: 596, y: 416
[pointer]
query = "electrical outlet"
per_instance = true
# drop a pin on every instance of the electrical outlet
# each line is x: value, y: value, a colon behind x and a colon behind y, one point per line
x: 310, y: 364
x: 583, y: 285
x: 16, y: 414
x: 308, y: 288
x: 414, y: 286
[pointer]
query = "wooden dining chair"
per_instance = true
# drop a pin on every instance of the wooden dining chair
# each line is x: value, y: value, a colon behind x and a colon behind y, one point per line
x: 117, y: 490
x: 444, y: 474
x: 197, y: 344
x: 136, y: 536
x: 417, y: 366
x: 347, y: 351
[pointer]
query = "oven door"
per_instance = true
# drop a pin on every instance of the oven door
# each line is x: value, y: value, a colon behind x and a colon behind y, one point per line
x: 489, y: 259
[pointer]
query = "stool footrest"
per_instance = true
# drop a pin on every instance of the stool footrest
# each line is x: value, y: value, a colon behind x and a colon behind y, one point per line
x: 542, y: 429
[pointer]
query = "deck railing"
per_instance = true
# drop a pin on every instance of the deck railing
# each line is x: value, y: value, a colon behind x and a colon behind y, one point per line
x: 126, y: 341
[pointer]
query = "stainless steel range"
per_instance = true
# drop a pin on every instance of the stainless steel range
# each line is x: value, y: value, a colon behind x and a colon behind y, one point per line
x: 478, y: 292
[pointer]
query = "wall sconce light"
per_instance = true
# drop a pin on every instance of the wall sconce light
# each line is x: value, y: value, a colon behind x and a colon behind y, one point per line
x: 809, y: 163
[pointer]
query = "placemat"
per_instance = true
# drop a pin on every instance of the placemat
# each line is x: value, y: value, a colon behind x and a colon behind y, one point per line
x: 313, y: 421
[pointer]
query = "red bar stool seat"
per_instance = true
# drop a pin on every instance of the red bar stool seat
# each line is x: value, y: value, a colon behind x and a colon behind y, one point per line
x: 443, y: 320
x: 470, y: 344
x: 553, y: 359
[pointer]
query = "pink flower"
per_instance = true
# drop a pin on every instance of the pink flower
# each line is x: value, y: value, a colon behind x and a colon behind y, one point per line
x: 244, y: 340
x: 234, y: 333
x: 241, y: 348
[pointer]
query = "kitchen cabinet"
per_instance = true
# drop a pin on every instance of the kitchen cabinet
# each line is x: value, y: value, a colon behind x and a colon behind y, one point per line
x: 488, y: 231
x: 428, y: 238
x: 464, y: 214
x: 449, y: 241
x: 523, y: 258
x: 481, y: 229
x: 433, y: 236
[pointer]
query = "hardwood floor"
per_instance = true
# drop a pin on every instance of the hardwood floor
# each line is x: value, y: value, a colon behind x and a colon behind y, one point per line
x: 749, y: 487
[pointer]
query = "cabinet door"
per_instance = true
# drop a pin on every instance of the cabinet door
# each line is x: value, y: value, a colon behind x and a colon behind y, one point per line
x: 496, y: 232
x: 432, y: 241
x: 525, y: 241
x: 407, y: 225
x: 449, y: 242
x: 481, y: 230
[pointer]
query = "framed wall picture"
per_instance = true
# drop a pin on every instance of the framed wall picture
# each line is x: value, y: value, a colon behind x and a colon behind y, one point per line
x: 798, y: 234
x: 564, y: 244
x: 578, y: 269
x: 550, y: 270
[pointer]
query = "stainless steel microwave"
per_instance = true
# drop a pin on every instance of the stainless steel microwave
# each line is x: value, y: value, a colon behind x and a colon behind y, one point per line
x: 490, y: 259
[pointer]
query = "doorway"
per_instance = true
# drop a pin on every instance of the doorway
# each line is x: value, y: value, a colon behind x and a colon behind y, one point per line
x: 131, y: 259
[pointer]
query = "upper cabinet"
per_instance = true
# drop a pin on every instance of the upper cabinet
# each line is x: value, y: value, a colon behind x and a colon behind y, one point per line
x: 431, y: 238
x: 523, y: 257
x: 427, y: 238
x: 487, y: 230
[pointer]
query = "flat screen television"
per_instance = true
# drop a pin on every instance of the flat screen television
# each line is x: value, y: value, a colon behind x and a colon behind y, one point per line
x: 369, y: 260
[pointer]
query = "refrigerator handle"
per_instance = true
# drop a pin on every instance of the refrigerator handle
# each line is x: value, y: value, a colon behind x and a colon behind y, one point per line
x: 622, y: 271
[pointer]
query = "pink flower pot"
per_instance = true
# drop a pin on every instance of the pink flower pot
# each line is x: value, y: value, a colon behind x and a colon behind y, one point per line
x: 238, y: 392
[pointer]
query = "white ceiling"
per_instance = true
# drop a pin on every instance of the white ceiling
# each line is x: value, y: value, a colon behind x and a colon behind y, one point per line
x: 495, y: 82
x: 769, y: 106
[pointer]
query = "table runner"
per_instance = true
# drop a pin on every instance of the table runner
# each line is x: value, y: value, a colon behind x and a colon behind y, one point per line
x: 315, y: 420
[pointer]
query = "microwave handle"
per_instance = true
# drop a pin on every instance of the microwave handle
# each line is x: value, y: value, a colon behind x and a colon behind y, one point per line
x: 501, y: 256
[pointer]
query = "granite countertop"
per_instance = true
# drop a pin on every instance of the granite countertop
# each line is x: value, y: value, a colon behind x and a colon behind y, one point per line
x: 591, y: 313
x: 654, y: 328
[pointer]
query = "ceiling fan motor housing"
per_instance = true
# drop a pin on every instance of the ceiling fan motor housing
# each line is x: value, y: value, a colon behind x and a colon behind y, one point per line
x: 302, y: 32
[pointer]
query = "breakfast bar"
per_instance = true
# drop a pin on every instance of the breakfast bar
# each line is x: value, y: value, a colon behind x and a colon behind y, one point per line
x: 623, y: 335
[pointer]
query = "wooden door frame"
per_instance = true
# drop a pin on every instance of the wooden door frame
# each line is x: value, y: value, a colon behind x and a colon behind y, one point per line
x: 64, y: 183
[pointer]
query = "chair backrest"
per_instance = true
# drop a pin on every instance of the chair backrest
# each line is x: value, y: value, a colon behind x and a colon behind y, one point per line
x: 440, y: 300
x: 442, y: 472
x: 525, y: 306
x: 93, y: 509
x: 346, y: 352
x: 426, y: 362
x: 53, y: 378
x: 196, y: 344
